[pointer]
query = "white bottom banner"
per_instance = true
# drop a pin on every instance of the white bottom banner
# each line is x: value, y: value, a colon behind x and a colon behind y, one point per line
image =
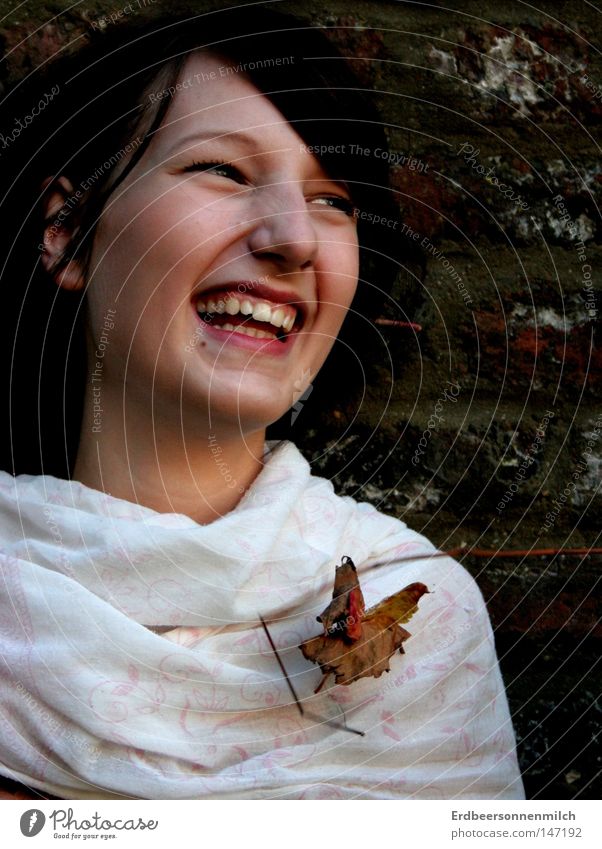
x: 324, y: 823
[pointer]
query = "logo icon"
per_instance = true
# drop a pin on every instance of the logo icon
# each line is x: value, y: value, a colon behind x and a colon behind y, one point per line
x: 32, y: 822
x: 301, y: 396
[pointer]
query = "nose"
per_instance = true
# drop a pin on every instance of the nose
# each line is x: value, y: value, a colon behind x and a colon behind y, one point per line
x: 283, y: 231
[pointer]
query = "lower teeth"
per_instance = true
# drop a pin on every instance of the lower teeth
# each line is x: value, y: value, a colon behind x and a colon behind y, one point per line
x: 247, y: 331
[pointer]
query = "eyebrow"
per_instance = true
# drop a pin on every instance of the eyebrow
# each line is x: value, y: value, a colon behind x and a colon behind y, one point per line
x: 246, y: 139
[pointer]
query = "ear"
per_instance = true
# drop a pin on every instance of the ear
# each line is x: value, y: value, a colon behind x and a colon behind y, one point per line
x: 60, y: 202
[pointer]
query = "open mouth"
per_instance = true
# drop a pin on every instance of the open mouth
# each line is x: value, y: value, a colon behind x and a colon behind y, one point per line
x: 249, y: 315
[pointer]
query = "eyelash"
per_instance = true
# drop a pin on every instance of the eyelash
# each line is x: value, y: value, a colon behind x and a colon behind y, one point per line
x: 232, y: 173
x: 337, y: 202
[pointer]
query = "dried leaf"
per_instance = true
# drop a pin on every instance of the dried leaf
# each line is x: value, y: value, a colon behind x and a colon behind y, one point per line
x: 401, y: 606
x: 344, y: 614
x: 356, y: 642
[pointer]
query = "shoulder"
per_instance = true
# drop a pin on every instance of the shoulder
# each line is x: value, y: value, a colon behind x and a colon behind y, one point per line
x: 385, y: 550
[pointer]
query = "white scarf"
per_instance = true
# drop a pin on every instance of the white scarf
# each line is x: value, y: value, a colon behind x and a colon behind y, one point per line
x: 95, y: 704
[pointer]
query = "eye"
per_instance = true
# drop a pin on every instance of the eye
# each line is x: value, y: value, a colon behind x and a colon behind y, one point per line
x: 220, y: 169
x: 337, y: 202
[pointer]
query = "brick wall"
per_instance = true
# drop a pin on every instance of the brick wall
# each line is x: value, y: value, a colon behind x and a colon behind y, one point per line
x: 491, y: 434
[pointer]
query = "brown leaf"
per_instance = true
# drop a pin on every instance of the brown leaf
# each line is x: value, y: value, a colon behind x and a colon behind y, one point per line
x: 401, y: 606
x: 344, y: 614
x: 353, y: 645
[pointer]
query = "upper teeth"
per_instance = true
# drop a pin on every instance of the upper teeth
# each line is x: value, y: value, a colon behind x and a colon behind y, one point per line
x: 280, y: 316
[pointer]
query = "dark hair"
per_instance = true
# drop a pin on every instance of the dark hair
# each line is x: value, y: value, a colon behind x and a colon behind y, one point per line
x: 98, y: 103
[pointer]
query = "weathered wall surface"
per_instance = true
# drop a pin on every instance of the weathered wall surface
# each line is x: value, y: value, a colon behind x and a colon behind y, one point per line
x: 485, y: 427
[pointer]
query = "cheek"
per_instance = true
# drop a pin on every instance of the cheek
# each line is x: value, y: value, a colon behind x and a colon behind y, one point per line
x: 132, y: 259
x: 342, y: 281
x: 151, y: 232
x: 348, y: 266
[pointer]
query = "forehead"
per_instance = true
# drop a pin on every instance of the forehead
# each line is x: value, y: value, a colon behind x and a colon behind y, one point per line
x: 214, y: 91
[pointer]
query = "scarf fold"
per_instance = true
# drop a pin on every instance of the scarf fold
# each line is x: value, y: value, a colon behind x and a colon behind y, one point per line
x: 134, y: 664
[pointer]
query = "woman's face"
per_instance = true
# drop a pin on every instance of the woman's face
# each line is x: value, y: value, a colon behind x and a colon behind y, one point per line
x: 229, y: 256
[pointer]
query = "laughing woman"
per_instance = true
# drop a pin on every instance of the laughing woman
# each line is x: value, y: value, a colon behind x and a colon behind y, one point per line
x: 186, y: 252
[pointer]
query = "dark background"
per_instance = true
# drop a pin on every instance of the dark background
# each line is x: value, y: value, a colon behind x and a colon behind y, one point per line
x: 499, y: 295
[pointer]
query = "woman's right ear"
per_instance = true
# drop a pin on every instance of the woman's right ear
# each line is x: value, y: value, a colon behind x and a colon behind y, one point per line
x: 58, y: 216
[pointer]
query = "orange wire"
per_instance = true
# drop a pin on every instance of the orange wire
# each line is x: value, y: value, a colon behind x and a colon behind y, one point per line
x: 392, y: 322
x: 518, y: 552
x: 505, y: 552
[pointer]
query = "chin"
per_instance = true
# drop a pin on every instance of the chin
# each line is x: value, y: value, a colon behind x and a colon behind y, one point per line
x: 245, y: 412
x: 253, y: 416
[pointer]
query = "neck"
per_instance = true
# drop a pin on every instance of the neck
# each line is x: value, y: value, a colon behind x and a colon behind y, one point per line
x: 203, y: 476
